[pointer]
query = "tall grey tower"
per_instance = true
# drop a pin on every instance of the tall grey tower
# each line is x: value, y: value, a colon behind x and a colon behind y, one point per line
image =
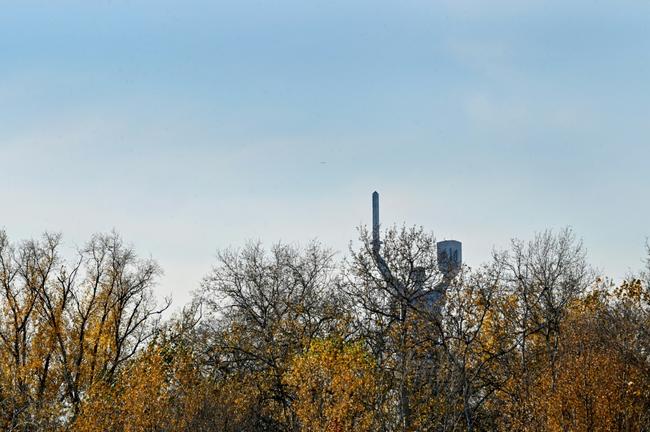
x: 376, y: 246
x: 375, y: 221
x: 450, y: 252
x: 450, y: 259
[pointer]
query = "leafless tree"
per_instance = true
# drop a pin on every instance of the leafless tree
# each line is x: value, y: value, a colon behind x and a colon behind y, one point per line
x: 389, y: 293
x: 263, y: 309
x: 545, y: 274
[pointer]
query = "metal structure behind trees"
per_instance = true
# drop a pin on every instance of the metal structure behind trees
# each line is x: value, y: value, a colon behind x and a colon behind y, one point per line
x: 449, y: 253
x: 383, y: 268
x: 448, y: 260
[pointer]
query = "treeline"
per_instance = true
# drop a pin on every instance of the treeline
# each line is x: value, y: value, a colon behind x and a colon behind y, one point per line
x: 296, y: 339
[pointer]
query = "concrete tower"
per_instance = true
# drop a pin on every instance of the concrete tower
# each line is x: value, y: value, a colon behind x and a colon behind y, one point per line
x: 450, y: 257
x: 450, y: 260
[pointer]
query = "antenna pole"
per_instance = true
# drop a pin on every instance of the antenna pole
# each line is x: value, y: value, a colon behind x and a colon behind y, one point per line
x: 375, y: 221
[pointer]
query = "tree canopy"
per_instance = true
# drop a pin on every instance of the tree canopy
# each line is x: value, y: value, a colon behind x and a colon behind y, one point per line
x: 292, y: 338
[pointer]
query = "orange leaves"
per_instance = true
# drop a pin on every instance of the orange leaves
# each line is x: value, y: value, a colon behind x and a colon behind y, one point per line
x: 596, y: 387
x: 634, y: 291
x: 595, y: 382
x: 156, y: 392
x: 335, y: 387
x: 286, y: 348
x: 138, y: 401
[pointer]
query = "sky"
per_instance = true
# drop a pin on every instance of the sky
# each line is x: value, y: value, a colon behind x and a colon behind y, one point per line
x: 195, y: 126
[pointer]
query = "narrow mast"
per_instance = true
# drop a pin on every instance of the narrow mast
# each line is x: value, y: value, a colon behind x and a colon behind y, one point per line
x: 375, y: 222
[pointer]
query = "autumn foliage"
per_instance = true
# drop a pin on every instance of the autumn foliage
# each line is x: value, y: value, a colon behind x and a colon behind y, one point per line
x: 335, y: 387
x: 298, y: 339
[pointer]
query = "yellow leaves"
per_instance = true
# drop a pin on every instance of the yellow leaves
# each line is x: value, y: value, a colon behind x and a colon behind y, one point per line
x: 154, y: 393
x: 592, y: 302
x: 335, y: 386
x: 634, y: 291
x: 592, y: 384
x: 486, y: 359
x: 593, y: 392
x: 135, y: 403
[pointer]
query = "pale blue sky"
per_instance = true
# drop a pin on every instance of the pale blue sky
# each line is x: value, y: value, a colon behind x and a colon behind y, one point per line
x: 195, y: 125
